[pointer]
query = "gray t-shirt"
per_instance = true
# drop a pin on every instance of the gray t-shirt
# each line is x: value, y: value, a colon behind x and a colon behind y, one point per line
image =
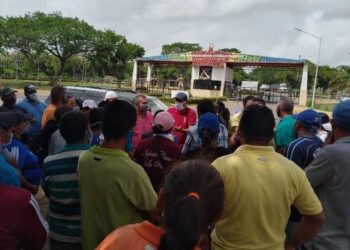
x: 329, y: 175
x: 56, y: 142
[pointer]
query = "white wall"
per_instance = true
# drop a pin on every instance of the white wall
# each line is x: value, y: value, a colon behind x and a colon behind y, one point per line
x: 217, y: 74
x: 195, y: 72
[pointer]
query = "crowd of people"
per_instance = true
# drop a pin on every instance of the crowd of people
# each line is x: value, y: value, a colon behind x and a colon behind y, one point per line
x: 118, y: 176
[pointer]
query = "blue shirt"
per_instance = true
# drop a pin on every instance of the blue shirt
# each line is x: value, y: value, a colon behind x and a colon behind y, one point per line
x: 27, y: 162
x: 8, y: 174
x: 128, y: 145
x: 95, y: 139
x: 36, y: 109
x: 303, y: 150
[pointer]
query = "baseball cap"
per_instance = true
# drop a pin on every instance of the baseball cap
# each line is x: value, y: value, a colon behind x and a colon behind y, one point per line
x: 29, y: 89
x: 164, y: 119
x: 341, y: 114
x: 310, y: 120
x: 325, y: 122
x: 181, y: 96
x: 7, y: 91
x: 8, y: 119
x: 209, y: 121
x: 110, y: 95
x: 89, y: 104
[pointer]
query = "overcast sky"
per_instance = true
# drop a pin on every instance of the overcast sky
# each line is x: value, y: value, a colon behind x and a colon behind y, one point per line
x: 262, y: 27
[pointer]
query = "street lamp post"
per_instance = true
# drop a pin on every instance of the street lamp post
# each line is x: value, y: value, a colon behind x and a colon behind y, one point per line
x: 318, y: 61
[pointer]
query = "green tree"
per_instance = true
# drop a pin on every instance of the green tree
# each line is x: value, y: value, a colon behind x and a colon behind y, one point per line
x: 230, y: 50
x: 325, y: 77
x: 36, y: 34
x: 271, y: 76
x: 112, y: 53
x: 341, y: 81
x: 180, y: 47
x: 173, y: 72
x: 59, y: 45
x: 2, y: 27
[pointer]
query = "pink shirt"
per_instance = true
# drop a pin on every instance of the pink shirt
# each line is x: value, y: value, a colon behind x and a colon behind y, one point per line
x: 184, y: 121
x: 143, y: 125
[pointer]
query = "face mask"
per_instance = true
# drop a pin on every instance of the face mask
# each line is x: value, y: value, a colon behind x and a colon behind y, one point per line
x: 179, y: 106
x: 33, y: 97
x: 144, y: 108
x: 25, y: 130
x: 11, y: 101
x: 5, y: 144
x: 76, y: 108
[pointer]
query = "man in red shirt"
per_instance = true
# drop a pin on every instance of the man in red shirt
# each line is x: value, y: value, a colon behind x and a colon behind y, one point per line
x: 21, y: 224
x: 184, y: 118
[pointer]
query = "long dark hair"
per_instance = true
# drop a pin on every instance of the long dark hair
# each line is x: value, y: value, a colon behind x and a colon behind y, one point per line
x: 207, y: 137
x: 194, y: 198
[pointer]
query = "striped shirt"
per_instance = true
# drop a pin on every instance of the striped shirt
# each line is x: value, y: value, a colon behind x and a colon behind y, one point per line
x: 60, y: 183
x: 303, y: 150
x: 193, y: 140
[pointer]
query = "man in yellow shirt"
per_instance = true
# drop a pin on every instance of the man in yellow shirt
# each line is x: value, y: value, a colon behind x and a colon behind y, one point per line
x: 260, y: 187
x: 234, y: 119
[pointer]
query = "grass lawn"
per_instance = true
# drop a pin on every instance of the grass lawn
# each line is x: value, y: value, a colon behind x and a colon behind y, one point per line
x: 45, y: 84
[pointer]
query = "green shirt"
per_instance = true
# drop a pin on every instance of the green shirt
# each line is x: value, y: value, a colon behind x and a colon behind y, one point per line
x: 285, y: 133
x: 113, y: 192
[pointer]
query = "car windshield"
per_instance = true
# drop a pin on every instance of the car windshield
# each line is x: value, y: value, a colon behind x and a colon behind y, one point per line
x: 156, y: 104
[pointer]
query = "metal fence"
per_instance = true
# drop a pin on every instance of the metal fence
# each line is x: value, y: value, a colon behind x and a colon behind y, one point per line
x: 269, y: 96
x: 159, y: 86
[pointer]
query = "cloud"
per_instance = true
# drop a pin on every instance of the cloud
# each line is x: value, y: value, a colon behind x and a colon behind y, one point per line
x: 253, y: 26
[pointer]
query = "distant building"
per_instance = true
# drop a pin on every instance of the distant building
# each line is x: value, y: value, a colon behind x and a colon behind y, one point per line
x: 250, y: 85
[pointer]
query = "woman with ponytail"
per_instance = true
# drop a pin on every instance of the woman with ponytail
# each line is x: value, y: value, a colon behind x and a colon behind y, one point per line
x: 208, y: 130
x: 191, y: 199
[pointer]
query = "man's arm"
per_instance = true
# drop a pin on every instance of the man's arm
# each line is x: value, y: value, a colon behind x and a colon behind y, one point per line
x: 28, y: 186
x: 32, y: 229
x: 308, y: 228
x: 307, y: 203
x: 320, y: 170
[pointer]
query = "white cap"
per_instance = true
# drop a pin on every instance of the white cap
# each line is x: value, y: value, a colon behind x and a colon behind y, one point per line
x: 89, y: 104
x: 111, y: 95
